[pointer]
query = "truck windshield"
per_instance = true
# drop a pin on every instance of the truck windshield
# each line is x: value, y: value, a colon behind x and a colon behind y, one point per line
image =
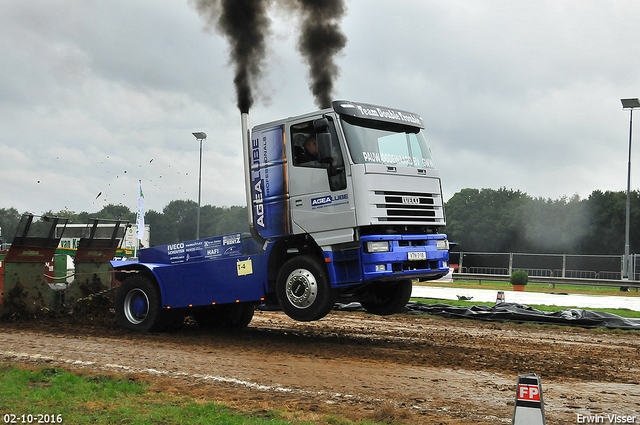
x: 375, y: 142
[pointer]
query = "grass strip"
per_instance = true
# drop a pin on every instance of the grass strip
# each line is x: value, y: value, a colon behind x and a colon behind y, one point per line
x: 54, y: 395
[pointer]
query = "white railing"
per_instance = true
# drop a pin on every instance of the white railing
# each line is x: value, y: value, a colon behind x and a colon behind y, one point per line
x: 549, y: 280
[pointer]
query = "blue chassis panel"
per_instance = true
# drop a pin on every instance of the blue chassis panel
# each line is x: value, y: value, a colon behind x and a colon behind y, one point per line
x: 226, y: 280
x: 218, y: 281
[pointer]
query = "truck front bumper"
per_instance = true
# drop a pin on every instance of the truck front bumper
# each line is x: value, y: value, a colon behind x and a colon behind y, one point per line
x: 408, y: 257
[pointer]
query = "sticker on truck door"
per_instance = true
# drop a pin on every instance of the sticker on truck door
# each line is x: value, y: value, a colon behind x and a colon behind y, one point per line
x: 244, y: 267
x: 269, y: 197
x: 327, y: 201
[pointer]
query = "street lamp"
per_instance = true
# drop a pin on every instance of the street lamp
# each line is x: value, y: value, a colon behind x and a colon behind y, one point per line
x: 626, y: 262
x: 200, y: 136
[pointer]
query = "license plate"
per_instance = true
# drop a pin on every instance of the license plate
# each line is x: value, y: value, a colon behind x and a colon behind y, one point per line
x: 416, y: 256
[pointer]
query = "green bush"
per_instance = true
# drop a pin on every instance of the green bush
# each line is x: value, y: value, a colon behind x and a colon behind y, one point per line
x: 519, y: 277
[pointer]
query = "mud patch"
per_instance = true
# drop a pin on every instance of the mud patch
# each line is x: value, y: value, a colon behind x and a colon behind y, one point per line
x: 401, y: 369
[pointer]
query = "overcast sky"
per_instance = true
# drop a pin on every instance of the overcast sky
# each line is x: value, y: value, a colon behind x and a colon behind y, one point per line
x: 95, y: 95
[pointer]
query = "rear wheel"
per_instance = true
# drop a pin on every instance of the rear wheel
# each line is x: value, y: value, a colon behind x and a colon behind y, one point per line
x: 138, y: 305
x: 388, y: 298
x: 303, y: 289
x: 234, y: 316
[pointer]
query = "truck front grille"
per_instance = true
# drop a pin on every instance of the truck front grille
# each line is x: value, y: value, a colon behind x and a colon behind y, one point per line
x: 409, y: 207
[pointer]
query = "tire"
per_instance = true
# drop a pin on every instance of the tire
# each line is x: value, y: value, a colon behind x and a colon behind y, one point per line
x: 303, y: 289
x: 138, y: 304
x: 388, y: 298
x: 231, y: 316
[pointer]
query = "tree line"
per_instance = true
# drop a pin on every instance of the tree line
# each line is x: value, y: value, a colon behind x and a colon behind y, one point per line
x: 505, y: 220
x: 176, y: 222
x: 478, y: 220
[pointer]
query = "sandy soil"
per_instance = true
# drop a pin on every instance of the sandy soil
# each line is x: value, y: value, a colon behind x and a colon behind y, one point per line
x: 405, y: 369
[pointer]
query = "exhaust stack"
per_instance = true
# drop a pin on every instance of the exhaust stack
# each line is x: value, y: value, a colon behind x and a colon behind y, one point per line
x: 246, y: 151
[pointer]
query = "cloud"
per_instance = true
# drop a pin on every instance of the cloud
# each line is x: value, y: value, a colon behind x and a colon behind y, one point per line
x: 516, y: 94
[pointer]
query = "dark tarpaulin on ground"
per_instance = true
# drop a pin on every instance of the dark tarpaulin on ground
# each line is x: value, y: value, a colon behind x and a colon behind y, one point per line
x: 512, y: 312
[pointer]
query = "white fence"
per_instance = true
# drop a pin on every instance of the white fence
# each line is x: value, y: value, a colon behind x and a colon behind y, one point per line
x: 545, y: 265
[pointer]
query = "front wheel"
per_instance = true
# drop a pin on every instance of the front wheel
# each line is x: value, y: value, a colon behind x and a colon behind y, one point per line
x: 388, y: 298
x: 303, y: 289
x: 138, y: 305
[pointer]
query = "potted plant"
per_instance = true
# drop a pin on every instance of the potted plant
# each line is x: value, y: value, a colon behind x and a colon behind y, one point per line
x: 519, y: 279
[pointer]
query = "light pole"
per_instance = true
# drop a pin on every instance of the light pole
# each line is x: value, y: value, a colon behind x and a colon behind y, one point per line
x: 200, y: 136
x: 626, y: 262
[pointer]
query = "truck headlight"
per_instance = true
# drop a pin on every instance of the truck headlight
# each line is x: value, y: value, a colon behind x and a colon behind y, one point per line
x: 377, y: 246
x: 442, y: 244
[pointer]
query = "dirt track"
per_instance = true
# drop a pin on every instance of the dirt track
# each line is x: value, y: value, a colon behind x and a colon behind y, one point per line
x: 400, y: 368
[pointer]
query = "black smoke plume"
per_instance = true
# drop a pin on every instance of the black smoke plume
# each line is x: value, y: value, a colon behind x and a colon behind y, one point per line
x: 320, y: 40
x: 246, y: 25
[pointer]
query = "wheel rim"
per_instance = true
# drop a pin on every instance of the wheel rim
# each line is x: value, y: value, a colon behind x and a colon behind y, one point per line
x: 136, y: 306
x: 301, y: 288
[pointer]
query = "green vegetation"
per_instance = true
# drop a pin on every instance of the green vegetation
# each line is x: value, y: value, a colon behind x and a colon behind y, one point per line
x: 504, y: 220
x: 60, y: 396
x: 519, y: 277
x: 176, y: 222
x: 478, y: 220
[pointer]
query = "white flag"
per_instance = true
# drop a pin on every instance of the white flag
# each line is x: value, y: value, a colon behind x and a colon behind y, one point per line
x: 140, y: 215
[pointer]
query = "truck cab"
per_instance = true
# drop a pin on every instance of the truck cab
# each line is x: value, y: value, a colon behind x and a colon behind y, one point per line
x: 352, y: 189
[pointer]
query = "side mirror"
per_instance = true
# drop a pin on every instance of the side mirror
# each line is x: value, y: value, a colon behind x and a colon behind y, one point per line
x: 324, y: 146
x: 321, y: 125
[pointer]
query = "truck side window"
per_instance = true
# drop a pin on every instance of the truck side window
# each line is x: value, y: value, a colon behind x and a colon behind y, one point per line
x: 305, y: 153
x: 305, y: 149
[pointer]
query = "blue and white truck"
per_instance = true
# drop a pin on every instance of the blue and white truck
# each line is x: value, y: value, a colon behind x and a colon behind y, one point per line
x: 344, y: 204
